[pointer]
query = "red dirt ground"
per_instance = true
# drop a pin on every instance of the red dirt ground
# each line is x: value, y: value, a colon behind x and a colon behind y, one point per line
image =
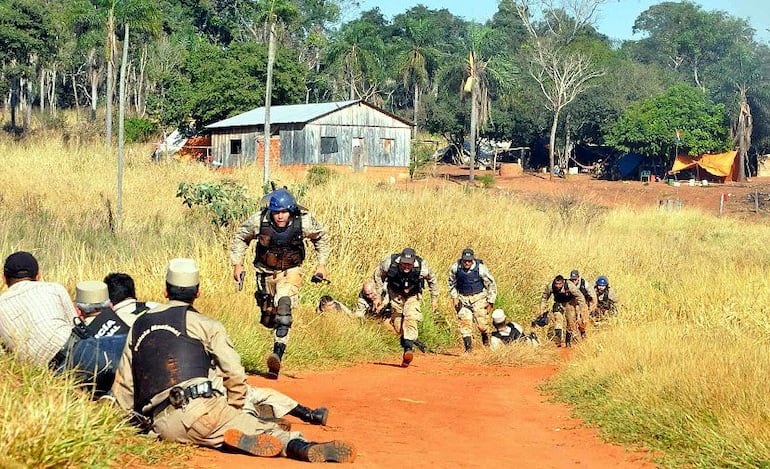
x: 447, y: 411
x: 443, y: 411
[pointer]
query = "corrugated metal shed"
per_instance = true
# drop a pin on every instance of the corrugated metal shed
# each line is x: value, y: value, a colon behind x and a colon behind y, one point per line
x: 355, y: 134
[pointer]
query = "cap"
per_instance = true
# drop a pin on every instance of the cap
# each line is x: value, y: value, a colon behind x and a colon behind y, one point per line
x: 467, y: 255
x: 20, y: 264
x: 91, y: 292
x: 182, y: 272
x: 407, y: 256
x: 498, y: 316
x: 574, y: 275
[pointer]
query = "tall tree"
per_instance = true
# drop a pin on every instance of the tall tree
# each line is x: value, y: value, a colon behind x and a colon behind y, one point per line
x: 561, y: 68
x: 485, y: 66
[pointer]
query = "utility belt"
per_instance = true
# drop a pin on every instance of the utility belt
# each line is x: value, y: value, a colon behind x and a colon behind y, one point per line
x: 178, y: 397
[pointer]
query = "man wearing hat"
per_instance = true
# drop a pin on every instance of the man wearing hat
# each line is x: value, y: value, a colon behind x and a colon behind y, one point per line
x: 280, y: 230
x: 36, y: 317
x: 507, y: 332
x: 180, y: 368
x: 589, y: 295
x: 473, y: 291
x: 567, y: 301
x: 403, y: 276
x: 98, y: 338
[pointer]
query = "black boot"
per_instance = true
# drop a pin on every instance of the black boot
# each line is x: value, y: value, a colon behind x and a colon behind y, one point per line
x: 408, y: 352
x: 421, y: 345
x: 260, y: 444
x: 557, y: 333
x: 274, y: 360
x: 313, y: 416
x: 568, y: 339
x: 330, y: 451
x: 467, y: 343
x: 485, y: 339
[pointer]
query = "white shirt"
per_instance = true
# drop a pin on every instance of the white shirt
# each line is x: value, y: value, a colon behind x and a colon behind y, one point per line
x: 36, y: 319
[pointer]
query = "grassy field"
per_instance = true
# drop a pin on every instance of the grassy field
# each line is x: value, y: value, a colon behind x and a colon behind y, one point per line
x: 684, y: 366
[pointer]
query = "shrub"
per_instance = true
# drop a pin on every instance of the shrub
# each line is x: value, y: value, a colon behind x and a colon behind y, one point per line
x: 139, y: 129
x: 486, y: 180
x: 319, y: 175
x: 226, y: 201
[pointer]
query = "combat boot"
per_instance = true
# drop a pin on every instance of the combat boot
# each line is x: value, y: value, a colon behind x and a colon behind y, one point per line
x: 312, y: 416
x: 408, y: 353
x: 485, y: 339
x: 468, y: 344
x: 274, y: 360
x: 330, y: 451
x: 568, y: 339
x: 557, y: 334
x: 258, y: 445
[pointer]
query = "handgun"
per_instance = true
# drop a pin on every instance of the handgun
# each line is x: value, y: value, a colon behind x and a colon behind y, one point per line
x: 241, y: 278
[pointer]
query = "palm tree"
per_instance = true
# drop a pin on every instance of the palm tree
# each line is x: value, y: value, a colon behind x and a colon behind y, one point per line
x: 485, y: 68
x: 355, y: 55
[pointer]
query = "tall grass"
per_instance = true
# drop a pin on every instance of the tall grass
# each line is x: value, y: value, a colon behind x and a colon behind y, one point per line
x: 694, y: 289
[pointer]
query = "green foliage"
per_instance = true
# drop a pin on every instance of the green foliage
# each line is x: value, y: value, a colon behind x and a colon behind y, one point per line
x: 649, y: 126
x: 139, y: 129
x: 421, y: 156
x: 319, y: 175
x: 226, y: 202
x: 486, y: 180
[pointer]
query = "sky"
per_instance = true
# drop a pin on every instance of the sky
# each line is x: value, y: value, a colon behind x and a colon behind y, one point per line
x: 616, y: 17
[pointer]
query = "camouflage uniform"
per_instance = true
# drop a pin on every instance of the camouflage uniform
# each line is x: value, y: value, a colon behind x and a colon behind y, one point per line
x: 569, y: 302
x: 273, y: 281
x: 475, y: 303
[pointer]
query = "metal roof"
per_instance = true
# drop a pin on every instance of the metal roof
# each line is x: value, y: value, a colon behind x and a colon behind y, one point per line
x: 288, y: 114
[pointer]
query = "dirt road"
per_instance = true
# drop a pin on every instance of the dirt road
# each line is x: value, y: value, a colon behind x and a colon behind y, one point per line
x: 443, y: 411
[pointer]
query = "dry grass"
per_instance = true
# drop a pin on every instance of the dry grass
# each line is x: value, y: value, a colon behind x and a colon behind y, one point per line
x: 685, y: 363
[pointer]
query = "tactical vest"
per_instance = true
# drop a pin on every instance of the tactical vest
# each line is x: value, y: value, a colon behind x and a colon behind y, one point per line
x: 515, y: 334
x: 584, y: 290
x: 563, y: 295
x: 405, y: 284
x: 469, y: 282
x: 107, y: 323
x: 603, y: 299
x: 280, y: 249
x: 164, y: 355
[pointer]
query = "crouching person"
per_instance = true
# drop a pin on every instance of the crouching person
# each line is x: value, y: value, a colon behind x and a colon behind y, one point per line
x: 507, y: 332
x: 180, y: 369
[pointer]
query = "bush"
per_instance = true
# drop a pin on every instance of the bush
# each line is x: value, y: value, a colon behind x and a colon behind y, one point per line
x: 226, y: 201
x: 486, y: 180
x: 139, y: 129
x: 319, y: 175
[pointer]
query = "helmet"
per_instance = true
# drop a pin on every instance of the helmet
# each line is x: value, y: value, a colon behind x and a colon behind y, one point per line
x: 498, y: 316
x: 602, y: 281
x: 281, y: 199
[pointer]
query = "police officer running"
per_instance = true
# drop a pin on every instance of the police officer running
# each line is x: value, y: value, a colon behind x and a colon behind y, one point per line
x: 280, y: 230
x: 589, y: 295
x: 473, y: 291
x: 179, y: 368
x: 568, y: 300
x: 404, y: 276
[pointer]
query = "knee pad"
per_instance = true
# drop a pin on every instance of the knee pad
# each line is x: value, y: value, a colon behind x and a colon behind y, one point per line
x: 266, y: 308
x: 283, y: 317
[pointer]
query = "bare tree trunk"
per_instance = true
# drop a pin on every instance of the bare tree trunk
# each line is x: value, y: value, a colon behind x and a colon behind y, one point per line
x: 474, y: 126
x: 552, y: 142
x: 75, y: 94
x: 121, y: 126
x: 27, y: 101
x: 42, y: 87
x: 743, y: 132
x: 268, y: 100
x: 416, y: 107
x: 111, y: 46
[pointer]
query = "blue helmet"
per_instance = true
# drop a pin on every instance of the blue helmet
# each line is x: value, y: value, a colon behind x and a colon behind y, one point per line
x: 602, y: 281
x: 281, y: 199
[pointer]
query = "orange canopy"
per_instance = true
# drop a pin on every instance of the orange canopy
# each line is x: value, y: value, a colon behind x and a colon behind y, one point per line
x: 724, y: 165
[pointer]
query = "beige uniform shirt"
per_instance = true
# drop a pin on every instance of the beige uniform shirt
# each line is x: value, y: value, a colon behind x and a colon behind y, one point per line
x: 569, y: 286
x: 249, y: 230
x: 228, y: 376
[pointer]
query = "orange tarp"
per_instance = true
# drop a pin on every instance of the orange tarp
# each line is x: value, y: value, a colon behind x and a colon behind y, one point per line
x: 724, y: 165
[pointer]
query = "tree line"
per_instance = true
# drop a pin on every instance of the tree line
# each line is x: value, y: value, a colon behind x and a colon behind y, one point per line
x: 537, y: 71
